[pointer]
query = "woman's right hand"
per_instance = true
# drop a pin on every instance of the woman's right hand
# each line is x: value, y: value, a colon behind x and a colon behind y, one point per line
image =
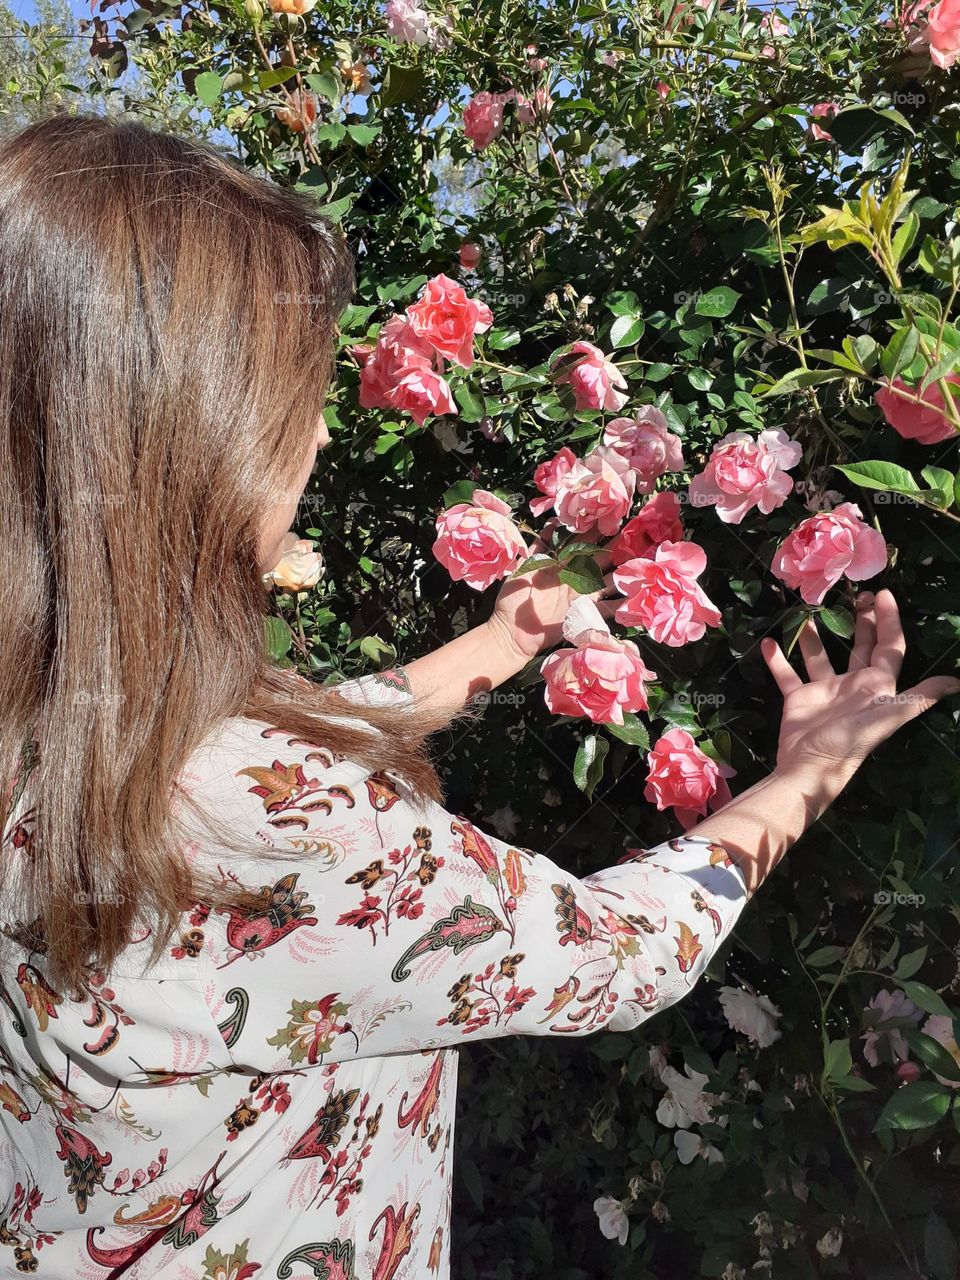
x: 833, y: 722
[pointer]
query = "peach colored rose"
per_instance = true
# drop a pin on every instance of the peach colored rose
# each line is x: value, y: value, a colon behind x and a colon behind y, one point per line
x: 826, y: 547
x: 300, y: 111
x: 658, y: 521
x: 647, y: 443
x: 447, y: 319
x: 421, y: 391
x: 483, y: 117
x: 601, y: 677
x: 821, y: 111
x: 595, y: 493
x: 477, y: 541
x: 299, y: 567
x: 547, y: 476
x: 684, y: 778
x: 296, y: 7
x: 744, y: 473
x: 915, y: 421
x: 355, y: 76
x: 470, y: 255
x: 596, y: 382
x: 663, y: 595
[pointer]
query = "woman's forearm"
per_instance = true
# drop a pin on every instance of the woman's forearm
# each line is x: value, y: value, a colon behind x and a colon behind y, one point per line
x: 760, y: 825
x: 475, y: 662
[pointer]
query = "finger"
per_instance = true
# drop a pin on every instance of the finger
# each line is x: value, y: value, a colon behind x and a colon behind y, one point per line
x: 914, y: 702
x: 891, y: 645
x: 781, y: 670
x: 814, y: 655
x: 865, y: 634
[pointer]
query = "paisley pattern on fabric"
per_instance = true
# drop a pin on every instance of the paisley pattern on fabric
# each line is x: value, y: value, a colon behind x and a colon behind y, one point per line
x: 275, y: 1098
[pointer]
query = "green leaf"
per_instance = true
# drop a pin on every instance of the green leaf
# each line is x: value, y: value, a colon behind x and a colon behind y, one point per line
x: 277, y: 637
x: 797, y: 379
x: 471, y: 402
x: 900, y: 350
x: 717, y: 302
x: 839, y: 621
x: 363, y: 134
x: 931, y: 1053
x: 588, y: 765
x: 824, y: 956
x: 462, y: 491
x: 880, y: 475
x: 276, y: 75
x: 325, y: 84
x: 633, y: 730
x: 943, y: 481
x: 626, y: 331
x: 401, y: 84
x: 837, y: 1059
x: 208, y: 87
x: 378, y: 650
x: 911, y: 963
x: 915, y: 1106
x: 946, y: 364
x: 927, y: 999
x: 583, y: 574
x: 624, y: 302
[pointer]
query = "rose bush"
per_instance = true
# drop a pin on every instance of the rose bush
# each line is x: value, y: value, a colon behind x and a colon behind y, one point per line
x: 680, y: 280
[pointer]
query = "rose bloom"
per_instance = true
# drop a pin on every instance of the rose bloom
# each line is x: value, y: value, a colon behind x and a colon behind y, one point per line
x: 684, y: 778
x: 596, y: 382
x: 470, y: 255
x: 421, y: 391
x: 663, y: 90
x: 744, y: 473
x: 826, y: 547
x: 915, y: 421
x: 483, y: 117
x: 752, y: 1015
x: 477, y: 541
x: 601, y: 678
x: 663, y: 595
x: 299, y: 567
x: 529, y: 111
x: 355, y: 76
x: 300, y: 112
x: 595, y: 493
x: 822, y: 110
x: 940, y: 1028
x: 399, y: 350
x: 889, y: 1006
x: 943, y: 33
x: 657, y: 521
x: 647, y: 443
x: 546, y: 478
x: 447, y: 319
x: 771, y: 24
x: 407, y: 23
x: 614, y: 1223
x: 297, y: 7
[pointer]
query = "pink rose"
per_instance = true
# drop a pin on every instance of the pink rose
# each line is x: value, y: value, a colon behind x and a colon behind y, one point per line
x: 407, y: 23
x: 647, y: 443
x: 447, y: 319
x: 597, y: 383
x: 595, y: 493
x: 420, y: 392
x: 771, y: 24
x: 483, y: 117
x: 913, y: 421
x: 528, y: 112
x: 398, y: 351
x: 663, y: 90
x: 744, y: 473
x: 943, y: 33
x: 663, y: 595
x: 470, y: 255
x: 601, y: 678
x: 547, y: 476
x: 477, y: 541
x: 658, y: 521
x: 826, y: 547
x: 822, y: 110
x: 685, y: 779
x: 889, y: 1006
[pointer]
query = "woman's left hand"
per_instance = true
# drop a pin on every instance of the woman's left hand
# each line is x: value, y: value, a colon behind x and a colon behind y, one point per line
x: 529, y: 610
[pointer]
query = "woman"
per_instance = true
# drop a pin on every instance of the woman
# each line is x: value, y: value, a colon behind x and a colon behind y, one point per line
x: 240, y: 934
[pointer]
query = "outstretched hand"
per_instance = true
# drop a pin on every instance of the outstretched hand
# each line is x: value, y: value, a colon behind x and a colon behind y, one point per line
x: 835, y: 720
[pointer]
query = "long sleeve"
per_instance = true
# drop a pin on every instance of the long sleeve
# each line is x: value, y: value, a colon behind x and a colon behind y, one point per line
x: 388, y: 927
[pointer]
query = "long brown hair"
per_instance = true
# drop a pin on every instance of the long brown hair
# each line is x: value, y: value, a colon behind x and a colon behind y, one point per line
x: 166, y: 336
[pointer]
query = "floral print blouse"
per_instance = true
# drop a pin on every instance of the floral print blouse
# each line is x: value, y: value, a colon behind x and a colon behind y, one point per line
x: 276, y: 1097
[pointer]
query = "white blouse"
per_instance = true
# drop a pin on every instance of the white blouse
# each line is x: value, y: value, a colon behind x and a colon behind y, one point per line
x: 276, y: 1097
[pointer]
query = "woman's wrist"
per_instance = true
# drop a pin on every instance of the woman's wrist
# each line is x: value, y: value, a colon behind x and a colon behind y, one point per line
x: 817, y: 776
x: 510, y: 657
